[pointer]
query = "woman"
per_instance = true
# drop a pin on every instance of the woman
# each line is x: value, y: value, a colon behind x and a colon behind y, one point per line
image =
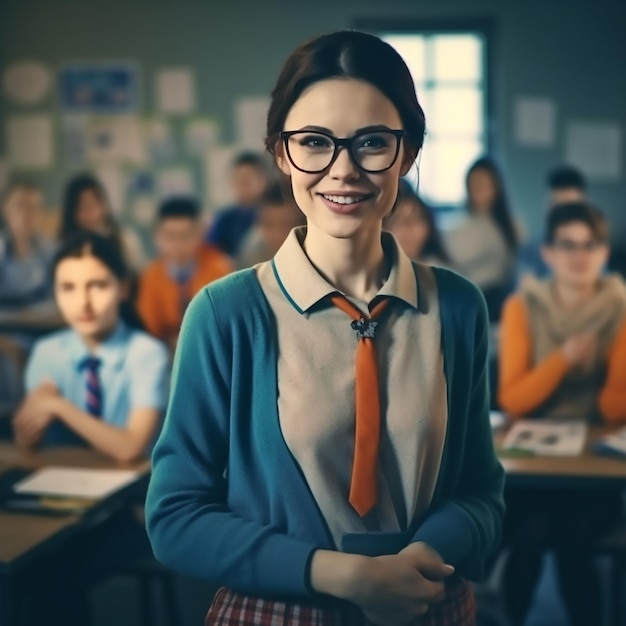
x: 413, y: 225
x: 259, y: 481
x: 86, y: 207
x: 484, y: 246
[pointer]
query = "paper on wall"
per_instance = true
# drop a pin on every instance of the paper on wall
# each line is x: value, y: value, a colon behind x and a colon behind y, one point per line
x: 30, y: 141
x: 159, y: 139
x: 176, y: 92
x: 26, y: 82
x: 143, y: 212
x: 218, y: 163
x: 176, y: 181
x: 535, y: 122
x: 595, y: 147
x: 74, y: 131
x: 251, y: 122
x: 114, y: 181
x: 115, y: 139
x: 200, y: 135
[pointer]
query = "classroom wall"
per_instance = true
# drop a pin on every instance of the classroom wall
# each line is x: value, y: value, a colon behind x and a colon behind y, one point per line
x: 573, y: 51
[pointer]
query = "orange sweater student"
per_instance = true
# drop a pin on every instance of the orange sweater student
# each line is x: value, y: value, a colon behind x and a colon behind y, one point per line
x: 184, y: 266
x: 563, y: 354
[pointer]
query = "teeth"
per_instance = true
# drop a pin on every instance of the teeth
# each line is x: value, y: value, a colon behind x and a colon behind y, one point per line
x: 344, y: 199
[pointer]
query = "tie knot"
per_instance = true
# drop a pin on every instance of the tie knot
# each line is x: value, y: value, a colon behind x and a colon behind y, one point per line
x: 364, y: 327
x: 91, y: 363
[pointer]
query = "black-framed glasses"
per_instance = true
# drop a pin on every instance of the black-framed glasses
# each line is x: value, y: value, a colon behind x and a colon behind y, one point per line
x: 314, y: 151
x: 566, y: 245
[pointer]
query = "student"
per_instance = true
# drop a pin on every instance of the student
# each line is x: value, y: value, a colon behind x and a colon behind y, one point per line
x: 412, y: 223
x: 184, y: 266
x: 25, y: 258
x: 102, y: 381
x: 86, y: 207
x: 565, y: 185
x: 484, y: 245
x: 232, y: 224
x: 254, y: 485
x: 277, y: 216
x: 563, y: 354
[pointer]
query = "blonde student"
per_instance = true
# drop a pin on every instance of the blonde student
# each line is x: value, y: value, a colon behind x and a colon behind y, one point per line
x: 102, y: 381
x: 326, y: 456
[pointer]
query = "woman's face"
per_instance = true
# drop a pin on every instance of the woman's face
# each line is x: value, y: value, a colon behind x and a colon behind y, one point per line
x: 89, y: 295
x: 343, y: 201
x: 410, y: 228
x: 91, y: 213
x: 482, y: 191
x: 22, y: 212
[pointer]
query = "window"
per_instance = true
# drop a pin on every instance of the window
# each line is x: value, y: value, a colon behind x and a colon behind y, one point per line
x: 449, y: 69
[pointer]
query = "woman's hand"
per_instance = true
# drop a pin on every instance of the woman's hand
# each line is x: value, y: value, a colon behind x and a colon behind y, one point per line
x: 390, y: 590
x: 35, y: 415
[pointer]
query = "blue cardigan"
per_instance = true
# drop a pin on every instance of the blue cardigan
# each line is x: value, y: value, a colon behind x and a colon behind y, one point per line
x: 227, y: 501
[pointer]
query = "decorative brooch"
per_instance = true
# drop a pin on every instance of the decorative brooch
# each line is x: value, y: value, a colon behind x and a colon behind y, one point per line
x: 365, y: 329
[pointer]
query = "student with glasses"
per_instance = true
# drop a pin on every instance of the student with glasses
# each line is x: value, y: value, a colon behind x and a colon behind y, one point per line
x: 563, y: 354
x: 327, y: 456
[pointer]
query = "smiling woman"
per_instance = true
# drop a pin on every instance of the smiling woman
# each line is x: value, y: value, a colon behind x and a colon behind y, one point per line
x: 321, y: 401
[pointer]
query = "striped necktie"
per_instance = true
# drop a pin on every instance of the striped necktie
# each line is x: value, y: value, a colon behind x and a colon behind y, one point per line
x: 93, y: 389
x: 363, y: 483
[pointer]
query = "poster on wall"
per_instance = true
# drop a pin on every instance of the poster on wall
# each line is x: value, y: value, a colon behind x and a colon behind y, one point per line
x: 99, y: 87
x: 175, y: 91
x: 30, y: 141
x: 26, y: 82
x: 596, y: 148
x: 115, y: 139
x: 535, y: 122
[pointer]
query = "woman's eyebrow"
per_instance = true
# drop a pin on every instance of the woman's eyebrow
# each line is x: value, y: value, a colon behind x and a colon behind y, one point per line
x: 358, y: 131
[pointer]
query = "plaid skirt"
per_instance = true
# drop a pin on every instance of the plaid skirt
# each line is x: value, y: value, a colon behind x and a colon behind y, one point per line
x: 230, y: 609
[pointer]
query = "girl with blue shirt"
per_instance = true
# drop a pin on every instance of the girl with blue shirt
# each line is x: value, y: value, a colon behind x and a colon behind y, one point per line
x: 326, y: 456
x: 102, y: 381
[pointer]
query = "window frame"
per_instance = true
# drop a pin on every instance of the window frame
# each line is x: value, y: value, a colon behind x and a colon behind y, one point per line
x: 485, y: 26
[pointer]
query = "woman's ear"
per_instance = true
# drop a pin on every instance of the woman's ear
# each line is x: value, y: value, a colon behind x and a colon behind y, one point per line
x: 408, y: 159
x: 282, y: 162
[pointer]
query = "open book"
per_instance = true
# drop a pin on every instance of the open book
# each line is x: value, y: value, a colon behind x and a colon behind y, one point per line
x: 547, y: 437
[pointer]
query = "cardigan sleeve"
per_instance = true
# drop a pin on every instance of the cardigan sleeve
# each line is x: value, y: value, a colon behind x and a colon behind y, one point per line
x: 523, y: 386
x: 612, y: 399
x: 189, y: 522
x: 464, y: 528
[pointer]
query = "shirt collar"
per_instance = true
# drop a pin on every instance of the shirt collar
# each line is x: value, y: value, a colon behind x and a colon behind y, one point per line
x: 304, y: 287
x: 111, y: 351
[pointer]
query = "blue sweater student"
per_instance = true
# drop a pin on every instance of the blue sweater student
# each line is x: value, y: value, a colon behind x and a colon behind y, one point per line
x: 326, y: 455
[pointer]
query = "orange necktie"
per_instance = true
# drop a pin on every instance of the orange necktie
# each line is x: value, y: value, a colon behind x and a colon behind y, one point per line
x: 363, y: 484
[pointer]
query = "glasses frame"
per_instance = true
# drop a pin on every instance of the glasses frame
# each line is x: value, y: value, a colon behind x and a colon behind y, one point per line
x: 346, y: 143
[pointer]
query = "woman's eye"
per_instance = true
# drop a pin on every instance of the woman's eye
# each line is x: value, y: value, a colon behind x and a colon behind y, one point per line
x: 372, y: 142
x: 314, y: 141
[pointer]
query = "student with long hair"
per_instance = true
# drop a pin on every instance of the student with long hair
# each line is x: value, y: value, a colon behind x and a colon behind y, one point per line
x: 412, y: 223
x: 326, y: 456
x: 484, y: 246
x: 102, y: 380
x: 86, y: 206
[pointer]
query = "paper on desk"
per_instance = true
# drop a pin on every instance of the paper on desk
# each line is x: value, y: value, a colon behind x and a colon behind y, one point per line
x: 75, y: 482
x: 547, y: 438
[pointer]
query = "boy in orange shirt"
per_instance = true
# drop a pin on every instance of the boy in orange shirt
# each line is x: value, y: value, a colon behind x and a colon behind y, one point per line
x: 184, y: 266
x: 563, y: 355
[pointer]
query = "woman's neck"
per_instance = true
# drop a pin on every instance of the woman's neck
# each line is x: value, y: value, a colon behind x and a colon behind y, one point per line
x: 355, y: 266
x: 572, y: 296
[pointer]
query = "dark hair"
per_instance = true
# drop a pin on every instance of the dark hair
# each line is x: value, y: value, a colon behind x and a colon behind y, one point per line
x: 274, y: 194
x: 433, y: 245
x: 107, y: 251
x: 577, y: 212
x: 347, y: 54
x: 186, y: 207
x: 500, y: 210
x: 253, y: 159
x: 565, y: 177
x: 74, y: 189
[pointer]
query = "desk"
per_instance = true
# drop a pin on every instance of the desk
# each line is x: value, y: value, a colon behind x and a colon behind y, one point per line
x: 24, y: 538
x: 585, y: 470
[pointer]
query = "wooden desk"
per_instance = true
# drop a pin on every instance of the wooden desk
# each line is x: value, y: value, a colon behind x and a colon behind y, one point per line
x: 584, y: 470
x: 24, y: 538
